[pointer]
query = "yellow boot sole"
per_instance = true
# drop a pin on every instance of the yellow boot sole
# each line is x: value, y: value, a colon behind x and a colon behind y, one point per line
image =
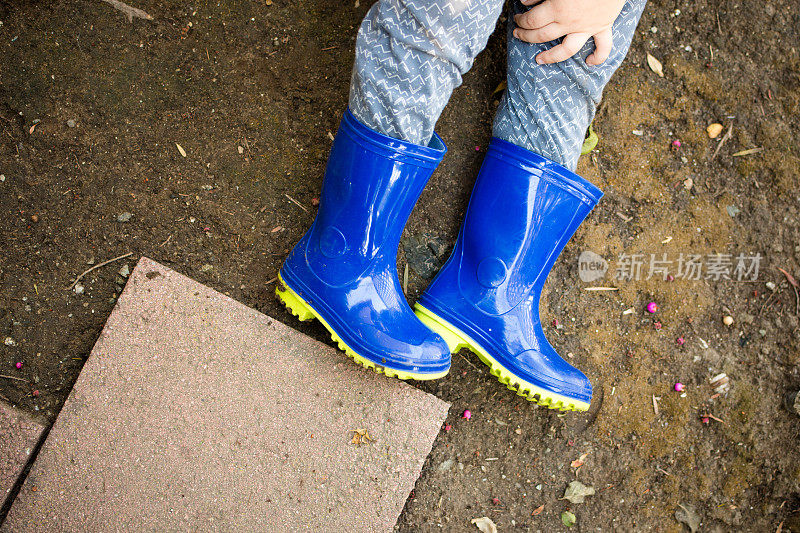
x: 302, y: 310
x: 457, y: 339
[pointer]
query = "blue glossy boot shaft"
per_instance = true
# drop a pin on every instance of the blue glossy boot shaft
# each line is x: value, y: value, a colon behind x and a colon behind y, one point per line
x: 523, y: 210
x: 344, y: 267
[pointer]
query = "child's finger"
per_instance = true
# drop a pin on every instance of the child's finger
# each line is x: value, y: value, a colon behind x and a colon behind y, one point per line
x: 536, y: 17
x: 569, y: 46
x: 603, y: 42
x: 549, y: 33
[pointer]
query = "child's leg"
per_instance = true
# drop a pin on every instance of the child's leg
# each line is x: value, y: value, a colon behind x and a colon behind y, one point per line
x: 547, y: 108
x: 410, y: 55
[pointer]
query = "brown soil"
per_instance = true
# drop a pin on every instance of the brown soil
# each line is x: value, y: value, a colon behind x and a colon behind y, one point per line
x: 250, y: 92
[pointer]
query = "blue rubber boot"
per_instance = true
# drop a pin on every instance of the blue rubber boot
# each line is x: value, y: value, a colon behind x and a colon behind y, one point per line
x: 344, y: 270
x: 523, y: 210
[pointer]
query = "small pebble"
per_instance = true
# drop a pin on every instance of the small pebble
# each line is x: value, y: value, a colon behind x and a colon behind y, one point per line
x: 679, y: 387
x: 71, y: 123
x: 8, y: 341
x: 652, y: 307
x: 18, y: 365
x: 124, y: 217
x: 467, y: 414
x: 34, y: 218
x: 727, y: 320
x: 714, y: 130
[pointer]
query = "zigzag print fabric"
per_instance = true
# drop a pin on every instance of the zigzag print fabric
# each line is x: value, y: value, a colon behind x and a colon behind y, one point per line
x: 548, y: 108
x: 411, y: 54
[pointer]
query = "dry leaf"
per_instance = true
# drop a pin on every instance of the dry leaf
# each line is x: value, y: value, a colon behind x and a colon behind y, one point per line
x: 687, y: 514
x: 576, y: 492
x: 538, y: 510
x: 485, y: 524
x: 360, y: 436
x: 30, y: 131
x: 579, y: 462
x: 655, y: 65
x: 180, y: 149
x: 714, y: 130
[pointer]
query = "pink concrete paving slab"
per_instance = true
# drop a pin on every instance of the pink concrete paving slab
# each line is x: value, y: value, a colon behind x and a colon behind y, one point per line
x: 19, y: 435
x: 196, y: 413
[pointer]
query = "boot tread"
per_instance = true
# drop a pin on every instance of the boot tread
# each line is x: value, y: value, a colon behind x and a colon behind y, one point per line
x: 456, y: 340
x: 303, y: 311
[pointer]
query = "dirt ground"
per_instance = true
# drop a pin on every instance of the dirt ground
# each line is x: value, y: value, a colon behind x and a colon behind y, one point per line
x: 91, y: 109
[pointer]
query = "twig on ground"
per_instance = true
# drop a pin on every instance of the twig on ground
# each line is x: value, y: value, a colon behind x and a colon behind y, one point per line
x: 129, y: 11
x: 104, y: 263
x: 14, y: 378
x: 298, y: 204
x: 795, y: 285
x: 725, y: 137
x: 751, y: 151
x: 79, y: 166
x: 468, y: 362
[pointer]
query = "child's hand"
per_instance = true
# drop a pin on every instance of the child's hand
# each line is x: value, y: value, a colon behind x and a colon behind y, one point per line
x: 575, y: 21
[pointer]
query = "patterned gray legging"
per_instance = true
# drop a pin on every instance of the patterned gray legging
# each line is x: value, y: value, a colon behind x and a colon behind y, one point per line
x: 411, y: 54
